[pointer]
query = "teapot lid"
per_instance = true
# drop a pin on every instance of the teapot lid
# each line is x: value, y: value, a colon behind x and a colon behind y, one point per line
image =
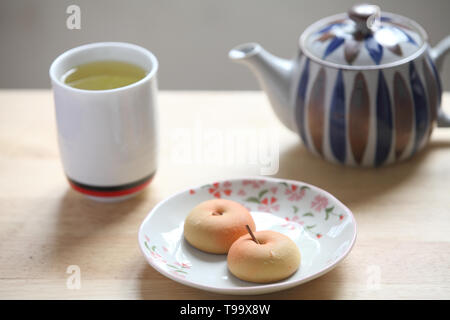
x: 363, y: 37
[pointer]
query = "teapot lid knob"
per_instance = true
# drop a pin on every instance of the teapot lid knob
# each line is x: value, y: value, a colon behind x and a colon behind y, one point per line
x: 366, y: 17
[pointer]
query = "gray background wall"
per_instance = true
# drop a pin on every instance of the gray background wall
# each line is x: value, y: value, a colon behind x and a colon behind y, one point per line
x: 191, y: 38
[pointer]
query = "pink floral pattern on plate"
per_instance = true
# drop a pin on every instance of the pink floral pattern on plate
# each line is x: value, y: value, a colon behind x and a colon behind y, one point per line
x: 269, y: 205
x: 319, y: 203
x: 294, y: 193
x: 256, y: 184
x: 218, y: 190
x: 178, y: 269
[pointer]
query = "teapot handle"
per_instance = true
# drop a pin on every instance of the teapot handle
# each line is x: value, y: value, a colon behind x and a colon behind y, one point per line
x: 438, y: 54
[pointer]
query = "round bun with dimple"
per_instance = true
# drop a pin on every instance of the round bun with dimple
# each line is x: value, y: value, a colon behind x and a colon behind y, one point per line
x: 275, y: 258
x: 213, y: 225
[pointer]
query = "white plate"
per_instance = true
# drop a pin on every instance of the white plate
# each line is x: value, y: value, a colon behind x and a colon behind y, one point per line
x: 322, y: 227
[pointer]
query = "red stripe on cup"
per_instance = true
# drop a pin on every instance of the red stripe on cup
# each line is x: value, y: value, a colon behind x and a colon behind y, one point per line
x: 117, y: 193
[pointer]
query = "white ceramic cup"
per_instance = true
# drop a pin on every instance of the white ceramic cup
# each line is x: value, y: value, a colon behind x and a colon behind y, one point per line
x: 107, y: 138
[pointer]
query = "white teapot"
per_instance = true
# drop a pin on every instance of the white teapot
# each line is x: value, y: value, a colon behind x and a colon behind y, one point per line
x: 364, y: 89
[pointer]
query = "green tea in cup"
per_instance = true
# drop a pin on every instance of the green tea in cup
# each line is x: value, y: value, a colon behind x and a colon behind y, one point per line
x: 103, y: 75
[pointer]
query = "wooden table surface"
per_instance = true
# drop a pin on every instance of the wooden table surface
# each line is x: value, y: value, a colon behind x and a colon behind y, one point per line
x: 403, y: 211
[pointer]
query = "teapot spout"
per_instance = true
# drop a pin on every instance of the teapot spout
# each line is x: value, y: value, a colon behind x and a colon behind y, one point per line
x: 274, y: 75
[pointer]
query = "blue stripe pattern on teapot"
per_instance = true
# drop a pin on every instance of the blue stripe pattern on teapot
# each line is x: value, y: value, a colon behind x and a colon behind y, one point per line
x: 367, y: 117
